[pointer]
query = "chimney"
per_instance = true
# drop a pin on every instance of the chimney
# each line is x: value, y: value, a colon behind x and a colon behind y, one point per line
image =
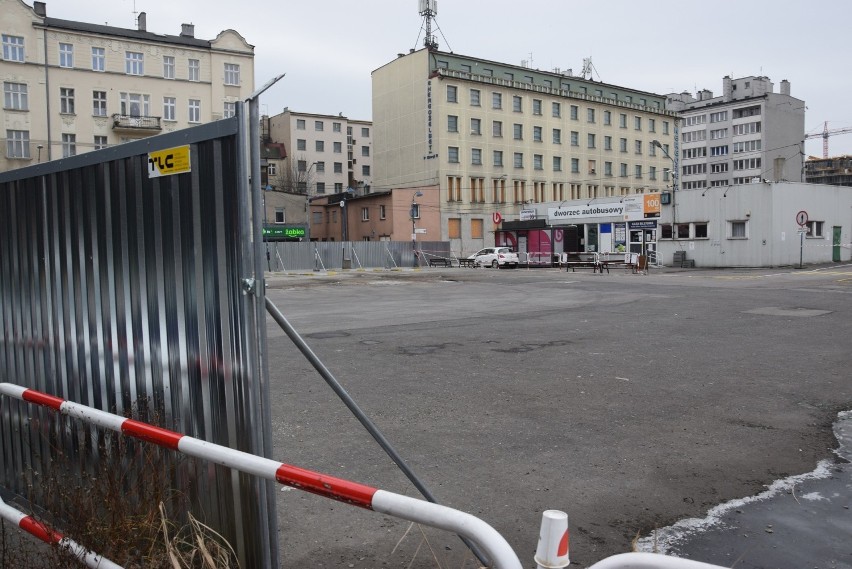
x: 727, y: 89
x: 785, y: 87
x: 187, y: 31
x: 40, y: 9
x: 142, y: 22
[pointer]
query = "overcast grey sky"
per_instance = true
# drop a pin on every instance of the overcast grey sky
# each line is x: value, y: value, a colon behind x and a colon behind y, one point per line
x: 328, y: 48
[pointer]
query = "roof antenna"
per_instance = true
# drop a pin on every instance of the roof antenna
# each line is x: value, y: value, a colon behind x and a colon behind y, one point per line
x: 429, y: 9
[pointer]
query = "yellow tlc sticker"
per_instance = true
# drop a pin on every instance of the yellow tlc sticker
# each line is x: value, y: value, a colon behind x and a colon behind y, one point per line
x: 169, y: 161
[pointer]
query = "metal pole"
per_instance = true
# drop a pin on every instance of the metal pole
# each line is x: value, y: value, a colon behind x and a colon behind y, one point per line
x: 413, y: 237
x: 801, y: 246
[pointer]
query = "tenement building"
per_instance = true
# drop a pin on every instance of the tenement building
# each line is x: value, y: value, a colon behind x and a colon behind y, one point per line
x: 492, y: 138
x: 70, y: 87
x: 749, y: 134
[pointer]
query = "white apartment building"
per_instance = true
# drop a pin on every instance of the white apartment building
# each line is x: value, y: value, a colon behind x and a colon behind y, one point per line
x: 491, y: 137
x: 749, y: 134
x: 71, y: 87
x: 326, y: 154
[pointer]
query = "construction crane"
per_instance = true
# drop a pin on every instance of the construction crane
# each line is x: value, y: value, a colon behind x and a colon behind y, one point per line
x: 826, y: 132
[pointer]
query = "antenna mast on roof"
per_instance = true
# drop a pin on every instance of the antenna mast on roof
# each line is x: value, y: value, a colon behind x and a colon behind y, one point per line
x: 429, y: 9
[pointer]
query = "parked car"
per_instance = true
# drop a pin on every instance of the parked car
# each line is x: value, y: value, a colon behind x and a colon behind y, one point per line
x: 495, y: 257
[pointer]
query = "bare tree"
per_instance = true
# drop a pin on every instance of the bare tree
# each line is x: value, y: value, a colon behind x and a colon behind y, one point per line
x: 296, y: 177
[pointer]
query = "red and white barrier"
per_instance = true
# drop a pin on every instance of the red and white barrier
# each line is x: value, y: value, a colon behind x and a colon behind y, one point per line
x: 420, y: 511
x: 52, y: 537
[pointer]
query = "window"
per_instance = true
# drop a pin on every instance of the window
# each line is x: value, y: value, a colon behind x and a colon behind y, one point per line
x: 300, y: 124
x: 694, y: 120
x: 15, y: 96
x: 747, y: 146
x: 194, y: 110
x: 607, y: 118
x: 607, y: 143
x: 337, y: 147
x: 518, y: 131
x: 694, y: 169
x: 746, y: 112
x: 689, y: 153
x: 496, y: 100
x: 302, y: 165
x: 718, y: 167
x: 652, y: 173
x: 682, y: 231
x: 746, y: 128
x: 335, y: 127
x: 98, y: 59
x: 13, y: 50
x: 590, y: 115
x: 815, y: 229
x: 69, y: 145
x: 414, y: 211
x: 452, y: 123
x: 475, y: 126
x: 476, y: 229
x: 476, y: 156
x: 575, y: 138
x: 557, y: 163
x: 232, y: 74
x: 452, y: 94
x: 665, y: 127
x: 365, y: 132
x: 383, y: 214
x: 623, y: 170
x: 100, y: 142
x: 622, y: 120
x: 454, y: 228
x: 536, y: 106
x: 719, y: 117
x: 319, y: 145
x: 320, y: 187
x: 638, y: 145
x: 700, y: 230
x: 319, y: 126
x: 365, y: 170
x: 134, y: 104
x: 607, y: 168
x: 17, y: 141
x: 637, y: 123
x: 301, y: 144
x: 590, y: 140
x: 556, y: 109
x: 168, y: 67
x: 279, y: 215
x: 538, y: 162
x: 497, y: 129
x: 519, y: 160
x: 575, y: 165
x: 694, y: 136
x: 365, y: 214
x: 652, y: 125
x: 638, y: 170
x: 517, y: 104
x: 134, y: 63
x: 338, y: 167
x: 718, y: 134
x: 474, y: 97
x: 272, y: 169
x: 557, y: 136
x: 365, y: 151
x: 747, y: 164
x: 453, y: 154
x: 738, y: 229
x: 719, y: 150
x: 194, y: 70
x: 230, y: 110
x: 169, y: 108
x: 66, y: 55
x: 66, y: 101
x: 497, y: 157
x: 622, y: 144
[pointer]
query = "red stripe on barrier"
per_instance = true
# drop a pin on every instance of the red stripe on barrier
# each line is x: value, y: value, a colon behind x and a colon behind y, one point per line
x: 328, y: 486
x: 40, y: 398
x: 38, y: 529
x: 156, y: 435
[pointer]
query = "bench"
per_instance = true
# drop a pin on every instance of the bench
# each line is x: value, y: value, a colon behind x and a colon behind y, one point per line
x: 439, y: 262
x: 629, y: 261
x: 467, y: 263
x: 582, y: 261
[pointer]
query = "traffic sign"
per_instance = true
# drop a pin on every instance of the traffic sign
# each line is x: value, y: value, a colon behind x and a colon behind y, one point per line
x: 802, y: 218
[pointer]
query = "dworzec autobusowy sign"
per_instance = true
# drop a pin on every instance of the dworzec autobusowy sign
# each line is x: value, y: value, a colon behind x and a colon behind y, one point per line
x: 169, y: 161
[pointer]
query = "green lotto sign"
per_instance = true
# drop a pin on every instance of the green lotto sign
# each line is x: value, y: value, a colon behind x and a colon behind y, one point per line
x: 283, y: 233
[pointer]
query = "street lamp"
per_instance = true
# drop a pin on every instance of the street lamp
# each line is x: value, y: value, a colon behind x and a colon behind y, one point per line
x: 39, y: 147
x: 415, y: 213
x: 308, y: 198
x: 674, y: 180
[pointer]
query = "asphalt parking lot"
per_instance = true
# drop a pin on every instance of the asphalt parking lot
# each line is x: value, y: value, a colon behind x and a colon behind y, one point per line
x: 628, y: 401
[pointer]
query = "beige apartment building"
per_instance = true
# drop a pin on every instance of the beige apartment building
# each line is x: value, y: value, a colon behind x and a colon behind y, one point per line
x: 491, y: 137
x: 326, y: 154
x: 71, y: 87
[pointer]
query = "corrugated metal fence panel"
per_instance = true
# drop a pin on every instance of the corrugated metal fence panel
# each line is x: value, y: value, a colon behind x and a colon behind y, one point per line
x: 330, y: 255
x: 117, y: 288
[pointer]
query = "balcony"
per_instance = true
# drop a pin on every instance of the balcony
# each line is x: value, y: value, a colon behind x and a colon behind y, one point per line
x: 135, y: 123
